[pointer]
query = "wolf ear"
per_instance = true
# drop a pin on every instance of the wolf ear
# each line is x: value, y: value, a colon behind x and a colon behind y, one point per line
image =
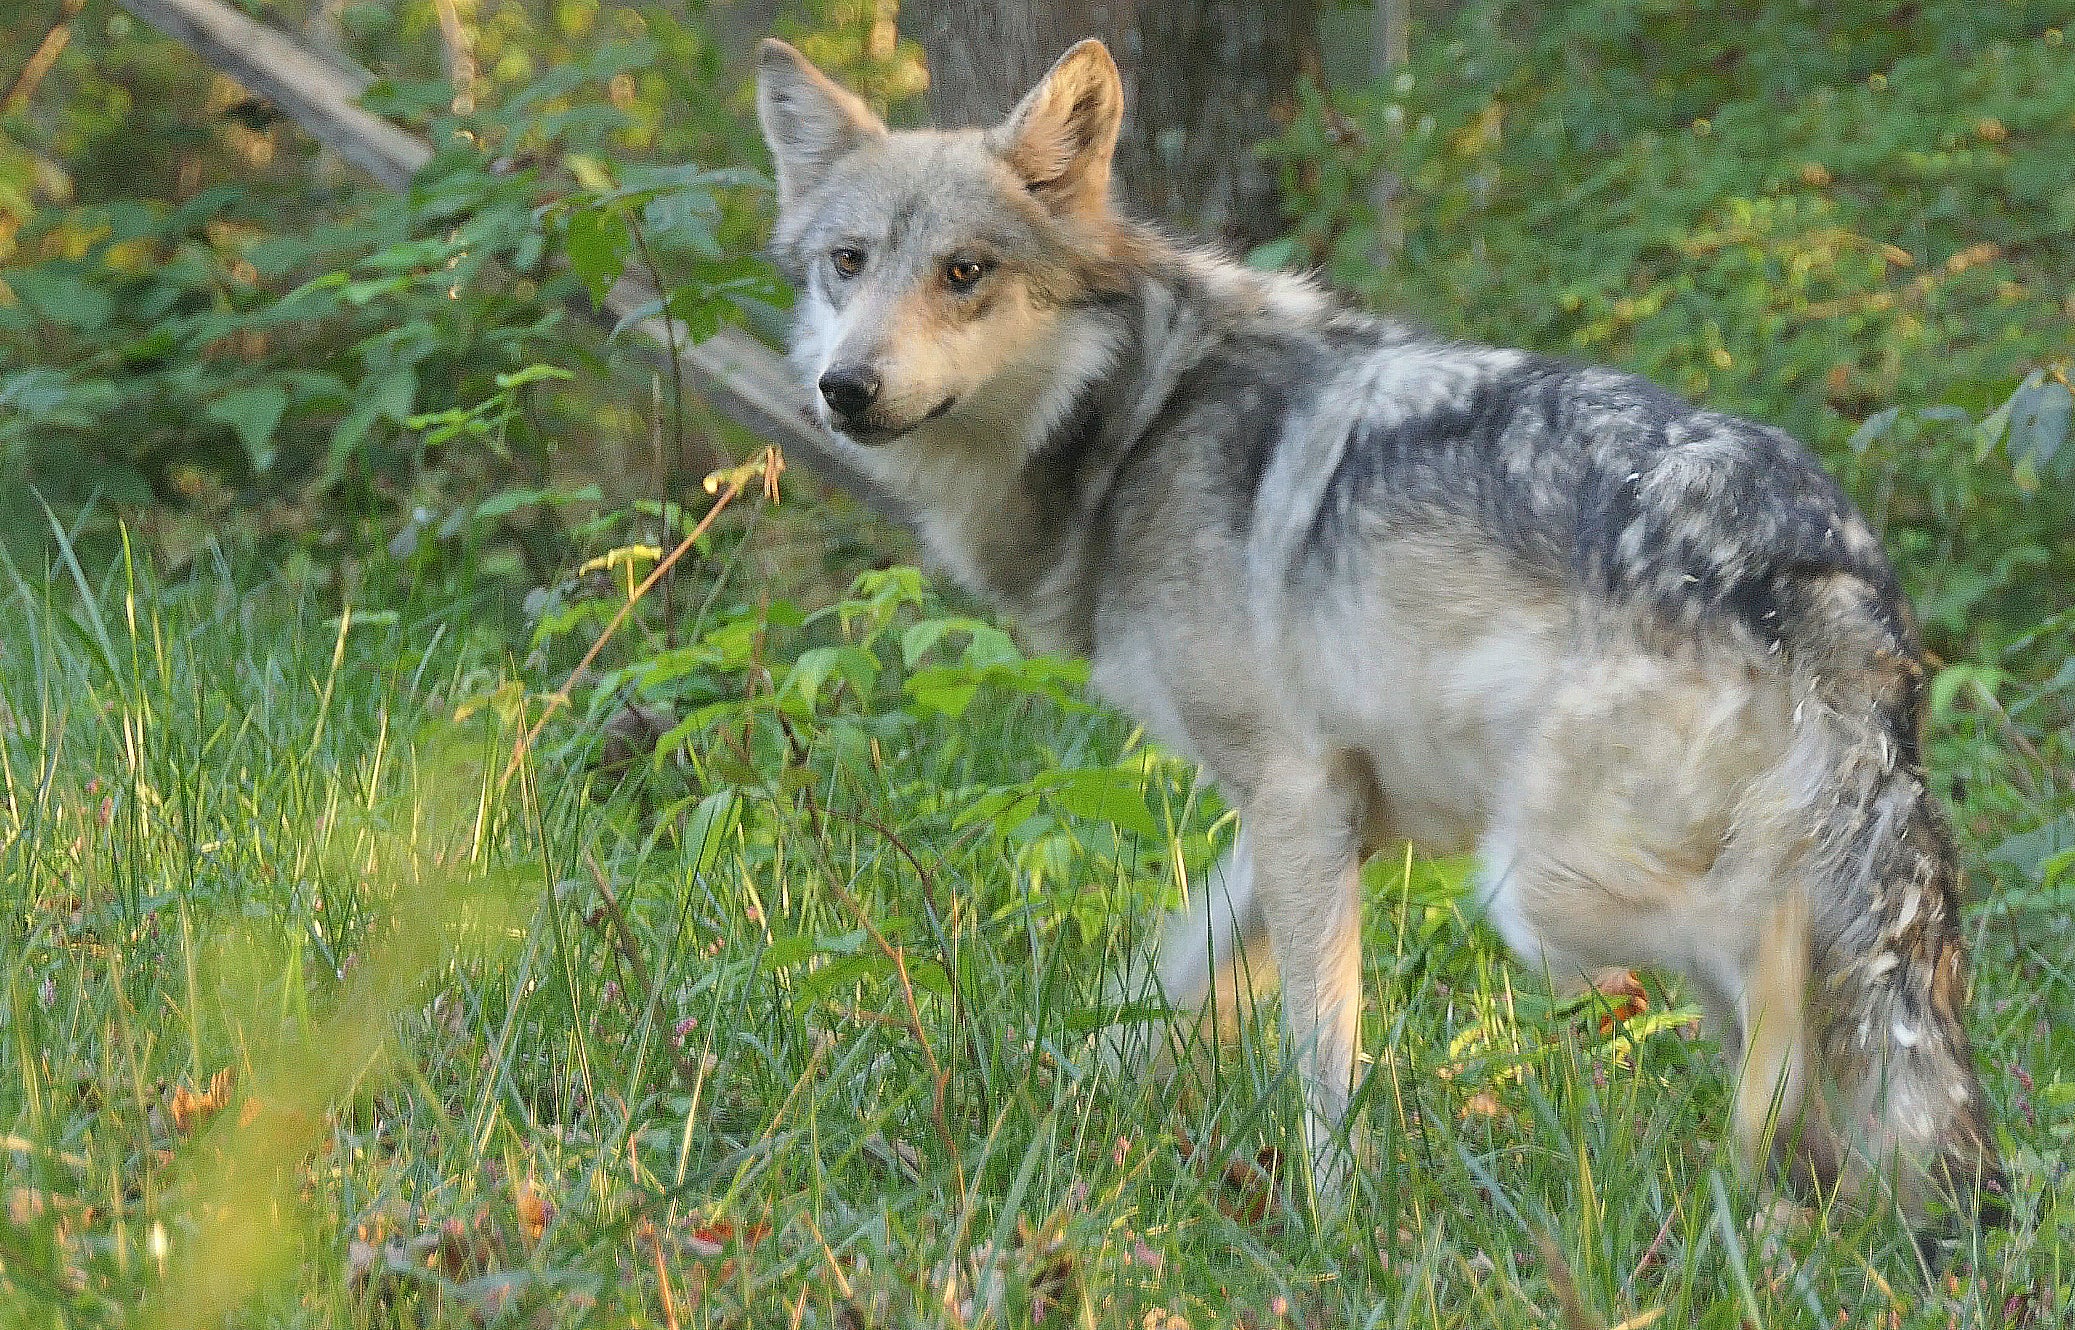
x: 809, y: 121
x: 1061, y: 137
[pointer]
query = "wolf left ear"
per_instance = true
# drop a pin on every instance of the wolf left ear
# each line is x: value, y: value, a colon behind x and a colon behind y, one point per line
x: 1061, y: 137
x: 809, y: 120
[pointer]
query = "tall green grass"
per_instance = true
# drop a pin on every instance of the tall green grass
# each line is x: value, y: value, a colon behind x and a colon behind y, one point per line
x: 799, y: 1030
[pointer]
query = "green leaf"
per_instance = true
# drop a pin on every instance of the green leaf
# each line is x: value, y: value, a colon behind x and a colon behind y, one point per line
x: 331, y: 281
x: 1875, y: 429
x: 53, y: 397
x: 2038, y: 424
x: 2032, y: 851
x: 942, y: 690
x: 917, y: 641
x: 854, y: 665
x: 597, y: 242
x: 1996, y: 424
x: 510, y: 501
x: 1945, y: 688
x: 528, y: 254
x: 1275, y: 254
x: 389, y: 397
x: 1116, y: 795
x: 840, y: 973
x: 61, y: 297
x: 1005, y: 808
x: 989, y: 648
x: 535, y: 373
x: 707, y: 830
x: 253, y: 414
x: 645, y: 310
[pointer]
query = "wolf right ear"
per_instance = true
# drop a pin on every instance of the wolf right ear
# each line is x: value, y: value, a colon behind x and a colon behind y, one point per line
x: 809, y: 120
x: 1061, y: 136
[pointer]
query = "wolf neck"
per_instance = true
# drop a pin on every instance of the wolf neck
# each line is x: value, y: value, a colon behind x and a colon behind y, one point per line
x: 1026, y: 524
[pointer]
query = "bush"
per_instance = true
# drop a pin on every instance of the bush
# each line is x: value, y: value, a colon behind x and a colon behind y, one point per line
x: 1806, y: 215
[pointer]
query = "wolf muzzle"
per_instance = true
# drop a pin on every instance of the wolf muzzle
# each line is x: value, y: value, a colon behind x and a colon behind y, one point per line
x: 850, y: 392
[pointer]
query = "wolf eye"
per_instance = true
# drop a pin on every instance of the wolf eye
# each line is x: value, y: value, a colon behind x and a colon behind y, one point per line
x: 962, y: 273
x: 849, y: 260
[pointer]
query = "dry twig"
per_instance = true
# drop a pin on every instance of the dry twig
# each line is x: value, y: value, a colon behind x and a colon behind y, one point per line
x: 42, y: 58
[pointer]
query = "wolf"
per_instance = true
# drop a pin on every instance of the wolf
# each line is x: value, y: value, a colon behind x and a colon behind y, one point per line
x: 1644, y: 659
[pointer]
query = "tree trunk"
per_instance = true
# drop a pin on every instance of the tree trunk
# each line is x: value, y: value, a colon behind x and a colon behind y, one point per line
x: 1204, y: 81
x: 1392, y: 30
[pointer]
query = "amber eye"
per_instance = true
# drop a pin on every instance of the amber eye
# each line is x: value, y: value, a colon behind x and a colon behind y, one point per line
x: 962, y: 273
x: 849, y: 261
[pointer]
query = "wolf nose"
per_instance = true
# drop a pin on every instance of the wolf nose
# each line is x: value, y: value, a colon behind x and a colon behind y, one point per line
x: 849, y: 391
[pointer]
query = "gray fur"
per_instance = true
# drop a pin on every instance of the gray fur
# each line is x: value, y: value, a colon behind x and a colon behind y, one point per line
x: 1642, y: 656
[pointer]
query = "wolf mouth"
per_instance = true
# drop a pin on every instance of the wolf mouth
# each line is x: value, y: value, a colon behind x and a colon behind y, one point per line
x: 873, y: 436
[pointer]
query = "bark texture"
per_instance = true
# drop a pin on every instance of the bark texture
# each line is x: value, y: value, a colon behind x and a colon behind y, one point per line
x: 1204, y: 81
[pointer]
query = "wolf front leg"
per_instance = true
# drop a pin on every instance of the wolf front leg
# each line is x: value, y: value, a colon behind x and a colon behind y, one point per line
x: 1302, y: 831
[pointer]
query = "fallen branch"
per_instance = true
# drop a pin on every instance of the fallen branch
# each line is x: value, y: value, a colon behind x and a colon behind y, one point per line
x: 745, y: 380
x: 42, y: 58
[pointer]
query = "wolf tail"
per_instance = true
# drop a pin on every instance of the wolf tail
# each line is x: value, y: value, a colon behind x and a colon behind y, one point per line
x: 1888, y: 970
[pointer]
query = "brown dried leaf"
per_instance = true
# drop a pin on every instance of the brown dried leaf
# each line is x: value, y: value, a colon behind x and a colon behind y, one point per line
x: 1483, y: 1104
x: 462, y: 1250
x: 1576, y: 1315
x: 1625, y: 999
x: 1049, y: 1264
x: 450, y: 1013
x: 25, y: 1205
x: 190, y: 1111
x: 896, y: 1154
x: 488, y: 1296
x: 536, y: 1212
x: 632, y: 734
x: 1247, y: 1191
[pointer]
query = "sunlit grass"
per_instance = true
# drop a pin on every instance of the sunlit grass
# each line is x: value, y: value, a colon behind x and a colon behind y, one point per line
x: 311, y: 1018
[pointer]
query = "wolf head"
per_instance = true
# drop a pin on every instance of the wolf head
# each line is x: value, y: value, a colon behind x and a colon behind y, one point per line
x: 937, y: 269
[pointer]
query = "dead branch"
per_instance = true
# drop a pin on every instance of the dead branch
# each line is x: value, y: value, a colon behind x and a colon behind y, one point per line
x: 42, y: 58
x: 461, y: 56
x: 744, y: 379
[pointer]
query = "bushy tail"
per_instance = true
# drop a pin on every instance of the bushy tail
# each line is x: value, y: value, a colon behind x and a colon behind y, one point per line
x: 1888, y: 968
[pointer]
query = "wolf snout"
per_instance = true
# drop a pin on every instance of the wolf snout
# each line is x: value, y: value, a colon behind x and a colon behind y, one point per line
x: 850, y: 391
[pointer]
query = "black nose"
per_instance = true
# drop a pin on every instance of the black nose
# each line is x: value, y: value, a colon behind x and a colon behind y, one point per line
x: 850, y: 391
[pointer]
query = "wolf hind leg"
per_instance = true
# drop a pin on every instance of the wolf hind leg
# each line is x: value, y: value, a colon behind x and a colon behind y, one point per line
x: 1776, y: 1114
x: 1649, y: 826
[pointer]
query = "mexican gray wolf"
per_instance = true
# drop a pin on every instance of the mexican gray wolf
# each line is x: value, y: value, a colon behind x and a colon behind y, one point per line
x: 1643, y: 658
